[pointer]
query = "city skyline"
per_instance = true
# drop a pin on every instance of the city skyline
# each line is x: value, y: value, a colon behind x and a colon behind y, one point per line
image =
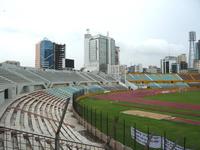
x: 143, y: 29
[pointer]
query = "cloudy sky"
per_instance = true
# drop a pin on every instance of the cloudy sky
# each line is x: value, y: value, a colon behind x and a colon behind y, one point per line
x: 145, y: 30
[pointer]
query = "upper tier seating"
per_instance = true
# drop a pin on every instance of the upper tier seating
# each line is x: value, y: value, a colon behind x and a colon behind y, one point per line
x: 28, y: 74
x: 153, y: 77
x: 106, y: 77
x: 196, y: 76
x: 60, y: 76
x: 186, y: 76
x: 169, y: 77
x: 94, y: 88
x: 96, y: 77
x: 4, y: 81
x: 139, y: 77
x: 12, y: 76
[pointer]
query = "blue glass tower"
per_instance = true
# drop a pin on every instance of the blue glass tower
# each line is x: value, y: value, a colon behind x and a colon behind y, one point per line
x: 50, y: 55
x: 47, y: 54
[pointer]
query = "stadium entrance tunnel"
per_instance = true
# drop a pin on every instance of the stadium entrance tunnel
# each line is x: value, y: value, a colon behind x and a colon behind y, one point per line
x: 6, y: 94
x: 25, y: 89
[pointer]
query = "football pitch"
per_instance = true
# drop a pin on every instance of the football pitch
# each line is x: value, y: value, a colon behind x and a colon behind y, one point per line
x: 146, y: 108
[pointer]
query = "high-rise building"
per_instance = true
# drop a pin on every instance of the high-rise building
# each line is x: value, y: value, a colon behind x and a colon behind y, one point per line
x: 117, y: 50
x: 49, y: 55
x: 197, y: 64
x: 181, y: 58
x: 197, y: 56
x: 86, y: 48
x: 192, y: 39
x: 182, y: 61
x: 100, y: 53
x: 151, y: 69
x: 45, y: 54
x: 197, y: 50
x: 136, y: 68
x: 59, y: 56
x: 169, y: 65
x: 37, y: 55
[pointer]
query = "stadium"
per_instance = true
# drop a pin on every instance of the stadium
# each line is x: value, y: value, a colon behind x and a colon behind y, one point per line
x: 48, y: 109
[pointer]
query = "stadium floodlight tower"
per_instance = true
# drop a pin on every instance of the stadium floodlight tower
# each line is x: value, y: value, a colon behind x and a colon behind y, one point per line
x: 192, y: 39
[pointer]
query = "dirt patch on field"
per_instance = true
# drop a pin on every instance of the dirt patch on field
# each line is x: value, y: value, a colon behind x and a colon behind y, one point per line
x: 148, y: 114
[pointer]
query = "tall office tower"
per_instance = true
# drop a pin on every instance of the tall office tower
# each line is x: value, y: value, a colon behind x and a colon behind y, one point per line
x: 181, y: 58
x: 49, y: 55
x: 44, y: 54
x: 197, y: 50
x: 169, y: 65
x: 37, y: 55
x: 182, y: 61
x: 197, y: 56
x: 117, y: 50
x: 192, y: 39
x: 86, y: 48
x: 100, y: 53
x: 59, y: 56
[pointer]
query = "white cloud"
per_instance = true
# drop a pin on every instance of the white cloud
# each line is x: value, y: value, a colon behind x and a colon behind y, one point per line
x: 149, y: 52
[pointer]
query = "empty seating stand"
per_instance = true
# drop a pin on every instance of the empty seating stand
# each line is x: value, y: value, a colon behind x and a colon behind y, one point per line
x: 12, y: 76
x: 28, y: 74
x: 35, y: 118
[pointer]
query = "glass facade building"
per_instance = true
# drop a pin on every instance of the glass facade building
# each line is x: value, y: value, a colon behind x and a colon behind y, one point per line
x: 49, y: 55
x: 197, y: 50
x: 100, y: 52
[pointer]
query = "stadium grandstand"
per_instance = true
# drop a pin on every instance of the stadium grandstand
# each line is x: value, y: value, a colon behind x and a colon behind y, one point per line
x: 164, y: 80
x: 33, y: 101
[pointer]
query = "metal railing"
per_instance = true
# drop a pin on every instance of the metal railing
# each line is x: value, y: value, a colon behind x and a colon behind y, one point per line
x: 21, y: 140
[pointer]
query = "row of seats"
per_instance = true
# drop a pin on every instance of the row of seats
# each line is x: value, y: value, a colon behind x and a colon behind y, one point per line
x: 190, y: 76
x: 68, y: 91
x: 28, y: 74
x: 153, y: 77
x: 31, y: 75
x: 59, y: 76
x: 4, y: 82
x: 12, y: 76
x: 18, y: 140
x: 167, y: 85
x: 107, y: 77
x: 164, y: 77
x: 39, y: 113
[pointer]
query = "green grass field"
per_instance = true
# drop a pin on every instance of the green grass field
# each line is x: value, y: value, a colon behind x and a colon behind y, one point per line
x: 192, y: 97
x: 94, y: 108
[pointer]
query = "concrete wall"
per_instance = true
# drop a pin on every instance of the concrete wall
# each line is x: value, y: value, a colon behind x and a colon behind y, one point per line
x: 100, y: 135
x: 2, y: 96
x: 11, y: 92
x: 21, y: 89
x: 39, y: 87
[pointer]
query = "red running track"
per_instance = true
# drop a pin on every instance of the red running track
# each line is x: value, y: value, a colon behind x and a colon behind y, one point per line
x: 188, y: 121
x: 138, y: 97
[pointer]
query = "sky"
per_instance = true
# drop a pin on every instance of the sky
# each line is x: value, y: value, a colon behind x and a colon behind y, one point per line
x: 145, y: 30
